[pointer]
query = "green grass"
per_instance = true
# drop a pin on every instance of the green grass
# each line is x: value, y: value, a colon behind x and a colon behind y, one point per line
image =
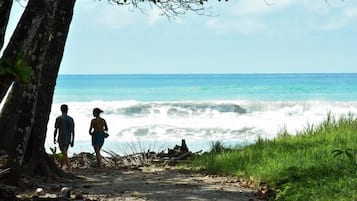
x: 298, y: 167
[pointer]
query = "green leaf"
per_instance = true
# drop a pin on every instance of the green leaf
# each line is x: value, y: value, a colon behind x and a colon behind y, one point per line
x: 25, y: 73
x: 336, y: 152
x: 348, y: 153
x: 18, y: 68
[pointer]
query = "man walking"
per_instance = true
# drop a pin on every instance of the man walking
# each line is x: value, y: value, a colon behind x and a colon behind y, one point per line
x: 64, y: 125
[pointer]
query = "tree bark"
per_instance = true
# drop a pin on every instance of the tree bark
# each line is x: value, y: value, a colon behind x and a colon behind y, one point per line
x: 25, y: 38
x: 41, y: 34
x: 5, y: 8
x: 48, y: 80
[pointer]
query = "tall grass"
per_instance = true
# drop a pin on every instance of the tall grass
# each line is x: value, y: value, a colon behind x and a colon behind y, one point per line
x: 299, y: 167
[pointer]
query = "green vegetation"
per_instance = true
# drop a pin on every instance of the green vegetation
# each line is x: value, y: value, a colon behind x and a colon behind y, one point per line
x: 318, y: 163
x: 56, y: 156
x: 18, y: 69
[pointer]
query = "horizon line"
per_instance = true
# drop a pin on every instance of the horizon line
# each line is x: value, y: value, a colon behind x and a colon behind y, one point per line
x: 297, y: 73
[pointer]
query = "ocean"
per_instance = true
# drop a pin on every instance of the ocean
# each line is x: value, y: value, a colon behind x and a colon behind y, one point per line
x: 154, y: 112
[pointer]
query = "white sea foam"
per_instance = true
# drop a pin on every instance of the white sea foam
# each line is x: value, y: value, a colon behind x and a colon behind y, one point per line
x: 200, y: 123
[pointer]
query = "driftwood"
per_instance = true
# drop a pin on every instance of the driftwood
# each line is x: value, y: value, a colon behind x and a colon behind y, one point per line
x: 176, y: 151
x: 182, y: 156
x: 179, y: 153
x: 3, y: 172
x: 175, y: 155
x: 3, y: 169
x: 172, y: 156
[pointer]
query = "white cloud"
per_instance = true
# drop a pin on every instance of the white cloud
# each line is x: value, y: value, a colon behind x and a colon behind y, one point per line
x: 154, y: 16
x: 115, y: 17
x: 102, y: 14
x: 248, y: 16
x: 333, y: 25
x: 110, y: 16
x: 346, y: 17
x: 259, y: 7
x: 243, y: 16
x: 351, y: 13
x: 241, y: 26
x: 272, y: 16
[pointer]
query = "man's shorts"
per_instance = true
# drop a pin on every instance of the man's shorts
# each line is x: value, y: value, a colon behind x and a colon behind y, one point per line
x: 63, y: 147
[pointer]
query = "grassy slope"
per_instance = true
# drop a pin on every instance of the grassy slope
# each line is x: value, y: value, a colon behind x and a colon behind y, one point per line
x: 300, y: 167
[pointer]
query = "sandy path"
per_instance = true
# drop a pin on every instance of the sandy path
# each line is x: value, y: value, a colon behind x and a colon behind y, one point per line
x: 158, y: 185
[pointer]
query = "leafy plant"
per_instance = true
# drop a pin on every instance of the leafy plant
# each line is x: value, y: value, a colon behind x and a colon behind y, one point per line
x: 19, y: 68
x: 351, y: 155
x: 56, y: 156
x: 218, y: 147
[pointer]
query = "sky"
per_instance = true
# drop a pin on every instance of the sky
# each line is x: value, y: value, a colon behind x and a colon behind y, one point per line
x: 239, y: 36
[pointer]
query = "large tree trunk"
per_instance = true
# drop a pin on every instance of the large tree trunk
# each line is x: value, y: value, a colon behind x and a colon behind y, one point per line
x: 36, y: 156
x: 25, y: 39
x: 41, y: 34
x: 5, y: 8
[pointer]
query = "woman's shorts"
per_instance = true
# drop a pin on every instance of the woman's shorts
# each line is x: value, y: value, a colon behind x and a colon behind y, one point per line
x: 98, y: 139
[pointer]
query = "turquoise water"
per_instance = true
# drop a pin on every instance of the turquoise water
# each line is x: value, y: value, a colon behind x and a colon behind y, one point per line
x: 236, y: 109
x: 339, y: 87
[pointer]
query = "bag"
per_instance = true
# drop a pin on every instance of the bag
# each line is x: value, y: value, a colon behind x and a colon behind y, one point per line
x: 106, y: 135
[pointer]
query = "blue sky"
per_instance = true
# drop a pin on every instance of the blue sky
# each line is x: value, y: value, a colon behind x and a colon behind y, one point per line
x: 243, y: 36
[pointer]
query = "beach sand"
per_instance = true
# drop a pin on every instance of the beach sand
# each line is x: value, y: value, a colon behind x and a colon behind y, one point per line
x: 151, y: 183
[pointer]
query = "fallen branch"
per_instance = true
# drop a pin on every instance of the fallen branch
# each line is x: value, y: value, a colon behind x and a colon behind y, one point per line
x: 3, y: 172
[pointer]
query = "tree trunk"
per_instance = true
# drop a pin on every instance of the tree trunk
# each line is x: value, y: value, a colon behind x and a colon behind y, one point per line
x: 5, y: 8
x: 48, y: 80
x: 41, y: 34
x: 25, y: 38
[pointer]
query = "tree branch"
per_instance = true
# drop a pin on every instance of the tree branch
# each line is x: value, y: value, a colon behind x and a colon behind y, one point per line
x: 169, y: 8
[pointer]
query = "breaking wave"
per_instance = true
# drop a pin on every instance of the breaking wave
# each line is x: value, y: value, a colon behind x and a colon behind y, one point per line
x: 200, y: 122
x: 178, y: 109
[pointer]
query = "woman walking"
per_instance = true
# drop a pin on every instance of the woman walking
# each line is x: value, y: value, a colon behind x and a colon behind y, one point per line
x: 98, y: 130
